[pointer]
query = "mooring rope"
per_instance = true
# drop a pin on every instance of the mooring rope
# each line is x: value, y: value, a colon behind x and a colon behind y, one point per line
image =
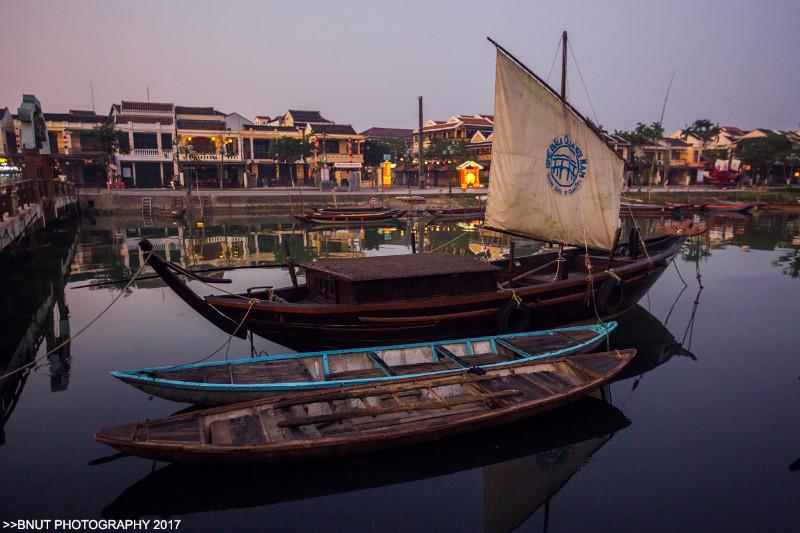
x: 84, y: 328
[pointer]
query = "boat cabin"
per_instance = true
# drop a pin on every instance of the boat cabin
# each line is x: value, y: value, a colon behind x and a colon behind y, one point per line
x: 397, y: 277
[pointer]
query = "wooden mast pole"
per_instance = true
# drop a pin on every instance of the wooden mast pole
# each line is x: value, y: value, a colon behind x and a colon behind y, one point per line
x: 564, y: 66
x: 561, y: 271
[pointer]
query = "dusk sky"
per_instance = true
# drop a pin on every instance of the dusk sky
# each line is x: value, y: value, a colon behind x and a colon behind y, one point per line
x: 366, y: 62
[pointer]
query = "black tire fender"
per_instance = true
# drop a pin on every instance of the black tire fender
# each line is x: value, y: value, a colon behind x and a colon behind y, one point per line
x: 610, y: 296
x: 513, y: 317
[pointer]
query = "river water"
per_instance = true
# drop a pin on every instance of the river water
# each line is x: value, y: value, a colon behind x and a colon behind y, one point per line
x: 702, y: 430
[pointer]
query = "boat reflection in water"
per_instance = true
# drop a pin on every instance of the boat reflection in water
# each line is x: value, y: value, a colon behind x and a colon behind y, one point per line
x: 523, y: 466
x: 654, y: 343
x: 33, y: 310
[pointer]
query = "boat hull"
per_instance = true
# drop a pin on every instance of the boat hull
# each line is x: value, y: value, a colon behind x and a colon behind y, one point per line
x: 307, y: 326
x: 185, y: 438
x: 238, y: 380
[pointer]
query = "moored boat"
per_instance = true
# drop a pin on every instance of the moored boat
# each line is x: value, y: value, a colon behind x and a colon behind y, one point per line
x: 732, y: 207
x: 229, y: 381
x: 643, y: 209
x: 559, y: 184
x: 453, y: 212
x: 369, y: 417
x: 337, y: 217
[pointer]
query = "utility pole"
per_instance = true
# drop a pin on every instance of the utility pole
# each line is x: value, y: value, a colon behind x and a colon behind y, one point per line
x: 419, y: 145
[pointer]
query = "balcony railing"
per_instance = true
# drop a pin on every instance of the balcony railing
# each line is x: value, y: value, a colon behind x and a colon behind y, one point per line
x: 216, y: 157
x: 148, y: 154
x: 341, y: 158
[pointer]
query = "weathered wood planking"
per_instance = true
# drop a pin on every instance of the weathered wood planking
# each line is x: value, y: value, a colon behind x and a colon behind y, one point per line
x: 368, y: 417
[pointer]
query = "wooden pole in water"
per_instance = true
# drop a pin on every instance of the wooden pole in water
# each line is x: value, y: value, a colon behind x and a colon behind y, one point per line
x: 419, y: 146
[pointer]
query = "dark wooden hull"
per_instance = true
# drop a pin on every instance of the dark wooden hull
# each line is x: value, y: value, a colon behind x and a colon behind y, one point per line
x: 732, y: 208
x: 314, y: 326
x: 516, y: 393
x: 358, y: 217
x: 648, y: 210
x: 456, y: 212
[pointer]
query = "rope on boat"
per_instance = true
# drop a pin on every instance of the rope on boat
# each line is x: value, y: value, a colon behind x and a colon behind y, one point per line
x: 84, y: 328
x: 448, y: 242
x: 638, y: 231
x: 227, y: 343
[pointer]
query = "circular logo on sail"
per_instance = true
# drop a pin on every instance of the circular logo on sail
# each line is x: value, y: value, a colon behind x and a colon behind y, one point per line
x: 566, y: 165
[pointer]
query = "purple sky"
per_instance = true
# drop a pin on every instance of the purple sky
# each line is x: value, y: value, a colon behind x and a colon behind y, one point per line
x: 366, y: 62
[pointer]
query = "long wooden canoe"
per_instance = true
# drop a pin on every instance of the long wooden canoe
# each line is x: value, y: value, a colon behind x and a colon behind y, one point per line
x: 326, y: 217
x: 573, y: 433
x: 237, y: 380
x: 369, y: 417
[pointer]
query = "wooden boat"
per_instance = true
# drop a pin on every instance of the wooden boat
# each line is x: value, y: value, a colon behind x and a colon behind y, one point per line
x: 636, y: 208
x: 453, y: 212
x: 350, y: 216
x: 224, y: 382
x: 367, y: 418
x: 374, y: 301
x: 349, y: 209
x: 687, y: 207
x: 733, y: 207
x: 571, y: 434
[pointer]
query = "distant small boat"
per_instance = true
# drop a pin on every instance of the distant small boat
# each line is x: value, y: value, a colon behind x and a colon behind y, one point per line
x: 350, y: 216
x: 349, y: 209
x: 224, y: 382
x: 627, y: 208
x: 687, y: 206
x: 369, y: 417
x: 443, y: 212
x: 733, y: 207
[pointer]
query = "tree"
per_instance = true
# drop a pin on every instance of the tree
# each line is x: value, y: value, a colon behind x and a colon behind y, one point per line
x: 641, y: 135
x: 107, y: 140
x: 454, y: 151
x: 702, y: 129
x: 763, y: 153
x: 374, y: 150
x: 289, y: 150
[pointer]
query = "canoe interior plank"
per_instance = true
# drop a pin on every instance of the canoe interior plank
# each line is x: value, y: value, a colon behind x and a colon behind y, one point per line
x: 246, y: 431
x: 184, y: 430
x: 220, y: 433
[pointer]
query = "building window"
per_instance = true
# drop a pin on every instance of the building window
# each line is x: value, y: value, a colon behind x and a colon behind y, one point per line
x: 166, y: 141
x: 145, y: 141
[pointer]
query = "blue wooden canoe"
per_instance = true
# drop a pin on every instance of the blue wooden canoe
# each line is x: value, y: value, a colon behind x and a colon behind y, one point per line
x: 225, y: 382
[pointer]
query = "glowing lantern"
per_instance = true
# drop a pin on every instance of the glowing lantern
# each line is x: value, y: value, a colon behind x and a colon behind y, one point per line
x: 386, y: 172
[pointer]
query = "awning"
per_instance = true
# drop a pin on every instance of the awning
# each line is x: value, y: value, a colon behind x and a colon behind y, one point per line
x: 347, y: 165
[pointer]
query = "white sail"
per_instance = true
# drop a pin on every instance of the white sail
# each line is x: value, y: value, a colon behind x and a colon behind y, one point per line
x: 553, y: 178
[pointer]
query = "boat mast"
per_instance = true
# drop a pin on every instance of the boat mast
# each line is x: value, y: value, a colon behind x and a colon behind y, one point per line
x: 564, y: 66
x: 561, y: 273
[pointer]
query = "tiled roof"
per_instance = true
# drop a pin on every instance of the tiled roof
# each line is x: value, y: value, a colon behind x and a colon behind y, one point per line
x: 387, y: 133
x: 308, y: 116
x: 144, y: 119
x: 69, y: 117
x: 262, y: 127
x: 187, y: 110
x: 263, y: 117
x: 81, y: 112
x: 676, y: 143
x: 333, y: 129
x: 148, y: 107
x: 208, y: 125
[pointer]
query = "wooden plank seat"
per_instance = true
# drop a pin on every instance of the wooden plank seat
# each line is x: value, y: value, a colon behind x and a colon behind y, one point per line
x: 356, y: 374
x: 486, y: 358
x: 545, y: 343
x: 595, y: 362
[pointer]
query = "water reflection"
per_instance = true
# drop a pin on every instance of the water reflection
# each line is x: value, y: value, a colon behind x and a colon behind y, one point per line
x: 33, y: 310
x: 522, y: 467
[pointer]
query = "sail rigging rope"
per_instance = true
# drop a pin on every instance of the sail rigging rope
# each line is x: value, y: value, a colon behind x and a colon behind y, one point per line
x: 84, y: 328
x: 585, y: 88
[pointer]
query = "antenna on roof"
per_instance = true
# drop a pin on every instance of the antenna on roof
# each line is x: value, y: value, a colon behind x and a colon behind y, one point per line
x: 91, y: 89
